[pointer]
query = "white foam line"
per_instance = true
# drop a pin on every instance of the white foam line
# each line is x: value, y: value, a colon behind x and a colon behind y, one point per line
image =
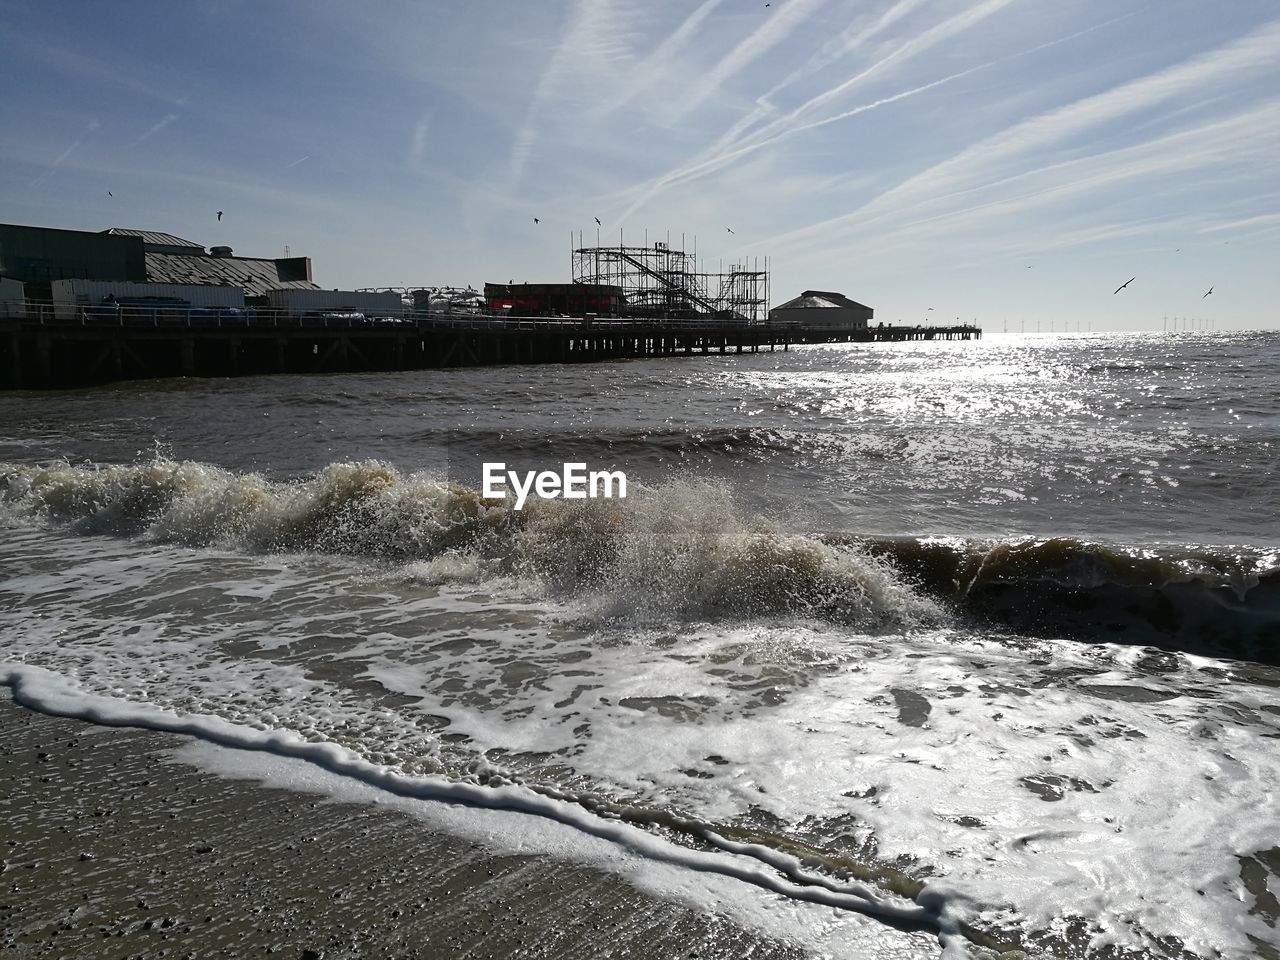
x: 49, y: 693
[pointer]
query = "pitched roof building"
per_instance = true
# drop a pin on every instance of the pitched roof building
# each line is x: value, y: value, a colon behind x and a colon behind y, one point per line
x: 154, y: 241
x: 254, y: 275
x: 171, y: 259
x: 37, y: 256
x: 823, y: 308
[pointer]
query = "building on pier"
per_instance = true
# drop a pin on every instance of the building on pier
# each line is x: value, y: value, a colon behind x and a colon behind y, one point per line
x: 822, y: 309
x: 296, y: 302
x: 256, y: 276
x: 36, y: 256
x: 72, y: 297
x: 554, y: 299
x: 39, y: 256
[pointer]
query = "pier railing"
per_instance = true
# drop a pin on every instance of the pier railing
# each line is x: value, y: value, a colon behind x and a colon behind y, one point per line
x: 235, y: 317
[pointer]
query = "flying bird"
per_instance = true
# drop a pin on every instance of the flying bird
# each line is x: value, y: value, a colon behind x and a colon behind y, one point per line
x: 536, y: 220
x: 1210, y: 291
x: 598, y: 223
x: 1123, y: 285
x: 109, y: 193
x: 219, y: 214
x: 730, y: 229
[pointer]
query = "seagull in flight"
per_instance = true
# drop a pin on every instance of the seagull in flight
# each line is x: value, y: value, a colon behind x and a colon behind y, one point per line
x: 1123, y: 285
x: 1210, y: 291
x: 219, y: 214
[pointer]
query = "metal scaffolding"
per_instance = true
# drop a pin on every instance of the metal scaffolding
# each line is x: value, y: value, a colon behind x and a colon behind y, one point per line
x: 660, y: 281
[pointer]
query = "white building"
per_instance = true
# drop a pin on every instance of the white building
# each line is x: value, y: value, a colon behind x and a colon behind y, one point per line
x: 71, y: 296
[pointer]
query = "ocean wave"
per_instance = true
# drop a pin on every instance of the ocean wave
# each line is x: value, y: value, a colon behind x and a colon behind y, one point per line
x: 759, y: 443
x: 680, y: 551
x: 1134, y: 367
x: 1216, y: 601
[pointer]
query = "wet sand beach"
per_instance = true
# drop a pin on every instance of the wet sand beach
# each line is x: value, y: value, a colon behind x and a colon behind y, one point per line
x: 115, y: 849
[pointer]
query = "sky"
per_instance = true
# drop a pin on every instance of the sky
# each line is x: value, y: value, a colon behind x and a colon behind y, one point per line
x: 1009, y: 161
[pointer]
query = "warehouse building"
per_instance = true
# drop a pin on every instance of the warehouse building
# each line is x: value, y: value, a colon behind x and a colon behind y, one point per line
x: 823, y: 308
x: 38, y: 256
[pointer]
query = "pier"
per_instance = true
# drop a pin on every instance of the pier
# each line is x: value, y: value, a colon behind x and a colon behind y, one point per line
x: 38, y: 350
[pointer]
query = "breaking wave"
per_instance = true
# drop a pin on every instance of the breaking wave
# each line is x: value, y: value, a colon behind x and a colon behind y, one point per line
x: 1220, y: 602
x: 678, y: 551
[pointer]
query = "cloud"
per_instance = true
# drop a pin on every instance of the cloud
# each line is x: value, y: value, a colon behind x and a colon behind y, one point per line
x: 1008, y: 157
x: 777, y: 25
x: 978, y: 164
x: 590, y: 53
x: 737, y: 142
x: 1246, y: 139
x: 92, y: 70
x: 167, y: 119
x: 419, y: 143
x: 1262, y: 221
x: 912, y: 48
x: 65, y: 154
x: 658, y: 64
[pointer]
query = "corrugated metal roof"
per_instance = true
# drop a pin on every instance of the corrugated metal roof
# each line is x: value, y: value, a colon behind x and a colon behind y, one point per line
x: 255, y: 276
x: 155, y: 237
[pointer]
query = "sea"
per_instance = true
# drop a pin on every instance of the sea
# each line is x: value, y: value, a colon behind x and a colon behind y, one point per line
x: 974, y: 643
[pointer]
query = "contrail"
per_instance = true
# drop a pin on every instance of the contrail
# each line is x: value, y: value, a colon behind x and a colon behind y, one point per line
x: 58, y: 161
x: 167, y: 119
x: 783, y: 127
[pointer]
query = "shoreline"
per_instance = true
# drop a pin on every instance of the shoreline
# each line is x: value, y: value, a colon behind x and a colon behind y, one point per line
x: 120, y: 847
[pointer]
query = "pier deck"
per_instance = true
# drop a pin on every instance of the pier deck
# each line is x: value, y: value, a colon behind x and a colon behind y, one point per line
x: 39, y: 350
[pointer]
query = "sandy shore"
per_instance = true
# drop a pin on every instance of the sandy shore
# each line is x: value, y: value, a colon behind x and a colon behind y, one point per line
x: 112, y: 849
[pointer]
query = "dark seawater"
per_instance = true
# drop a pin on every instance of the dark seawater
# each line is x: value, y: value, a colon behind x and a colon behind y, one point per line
x: 998, y: 621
